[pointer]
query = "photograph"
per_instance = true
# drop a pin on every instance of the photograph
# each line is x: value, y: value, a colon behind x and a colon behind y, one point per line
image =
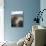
x: 17, y: 21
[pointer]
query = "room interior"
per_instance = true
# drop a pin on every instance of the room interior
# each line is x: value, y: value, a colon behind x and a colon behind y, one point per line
x: 31, y: 33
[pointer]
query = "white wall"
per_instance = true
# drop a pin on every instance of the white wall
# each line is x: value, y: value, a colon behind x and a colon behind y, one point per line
x: 1, y: 21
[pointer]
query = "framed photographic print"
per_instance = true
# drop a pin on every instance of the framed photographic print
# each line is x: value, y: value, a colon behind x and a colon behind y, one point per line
x: 17, y: 19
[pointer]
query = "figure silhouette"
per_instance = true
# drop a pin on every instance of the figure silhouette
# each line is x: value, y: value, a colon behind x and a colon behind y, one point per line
x: 37, y: 19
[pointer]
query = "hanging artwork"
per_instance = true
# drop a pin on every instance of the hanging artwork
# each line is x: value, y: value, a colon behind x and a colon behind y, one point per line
x: 17, y: 19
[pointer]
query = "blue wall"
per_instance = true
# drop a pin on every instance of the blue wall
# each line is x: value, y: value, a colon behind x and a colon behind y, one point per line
x: 29, y: 7
x: 43, y: 6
